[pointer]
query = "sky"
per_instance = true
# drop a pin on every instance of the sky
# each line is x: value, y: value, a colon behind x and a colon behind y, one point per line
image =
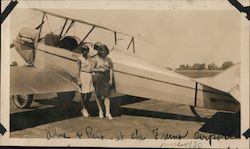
x: 167, y: 37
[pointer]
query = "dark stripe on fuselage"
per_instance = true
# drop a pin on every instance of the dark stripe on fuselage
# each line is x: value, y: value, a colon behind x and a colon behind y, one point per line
x: 153, y: 79
x: 171, y: 83
x: 57, y: 55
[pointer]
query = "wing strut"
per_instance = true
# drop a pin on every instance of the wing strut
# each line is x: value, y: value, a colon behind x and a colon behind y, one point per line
x: 115, y: 35
x: 66, y: 20
x: 41, y: 26
x: 38, y: 38
x: 132, y: 42
x: 87, y: 23
x: 87, y: 34
x: 195, y: 95
x: 72, y: 22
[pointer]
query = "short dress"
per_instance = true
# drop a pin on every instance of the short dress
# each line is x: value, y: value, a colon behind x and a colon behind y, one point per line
x: 85, y: 74
x: 101, y: 79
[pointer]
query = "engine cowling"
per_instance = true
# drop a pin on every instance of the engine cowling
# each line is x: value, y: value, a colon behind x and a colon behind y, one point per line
x: 25, y: 44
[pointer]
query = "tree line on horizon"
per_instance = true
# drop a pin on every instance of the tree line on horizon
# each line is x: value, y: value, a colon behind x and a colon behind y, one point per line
x: 204, y: 66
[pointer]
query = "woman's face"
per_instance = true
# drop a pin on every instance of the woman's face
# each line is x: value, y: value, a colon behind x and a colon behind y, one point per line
x: 85, y: 52
x: 103, y: 53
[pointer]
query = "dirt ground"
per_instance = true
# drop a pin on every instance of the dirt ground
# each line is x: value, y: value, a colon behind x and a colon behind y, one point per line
x: 134, y: 118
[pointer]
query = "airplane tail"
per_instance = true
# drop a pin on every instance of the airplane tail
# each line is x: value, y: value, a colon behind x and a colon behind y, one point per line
x: 227, y: 81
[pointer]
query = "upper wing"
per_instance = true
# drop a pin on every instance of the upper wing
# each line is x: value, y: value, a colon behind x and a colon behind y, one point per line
x: 227, y: 81
x: 85, y: 22
x: 30, y: 80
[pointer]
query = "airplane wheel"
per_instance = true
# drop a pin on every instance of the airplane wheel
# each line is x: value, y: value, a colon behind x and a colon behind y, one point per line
x: 22, y: 101
x: 65, y: 97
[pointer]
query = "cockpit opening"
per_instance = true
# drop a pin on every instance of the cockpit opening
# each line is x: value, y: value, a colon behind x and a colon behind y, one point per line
x: 69, y: 42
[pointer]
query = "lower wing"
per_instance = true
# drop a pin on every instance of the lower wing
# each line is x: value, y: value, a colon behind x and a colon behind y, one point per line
x: 30, y: 80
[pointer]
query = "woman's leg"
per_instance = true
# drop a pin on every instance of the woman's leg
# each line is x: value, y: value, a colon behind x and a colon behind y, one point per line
x: 87, y: 99
x: 99, y: 101
x: 84, y: 104
x: 83, y: 96
x: 107, y: 108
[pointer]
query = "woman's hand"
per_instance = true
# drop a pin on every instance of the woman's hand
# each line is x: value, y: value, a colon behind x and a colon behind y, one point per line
x: 79, y: 82
x: 98, y: 70
x: 80, y: 85
x: 101, y: 69
x: 110, y: 82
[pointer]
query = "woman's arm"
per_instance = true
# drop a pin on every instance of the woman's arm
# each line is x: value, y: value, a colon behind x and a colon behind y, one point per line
x: 79, y: 71
x: 98, y: 69
x: 111, y: 72
x: 111, y: 75
x: 94, y: 68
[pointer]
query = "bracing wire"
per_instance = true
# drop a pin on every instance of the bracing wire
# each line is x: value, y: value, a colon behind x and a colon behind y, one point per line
x: 74, y: 30
x: 54, y: 31
x: 49, y: 25
x: 57, y: 29
x: 50, y: 29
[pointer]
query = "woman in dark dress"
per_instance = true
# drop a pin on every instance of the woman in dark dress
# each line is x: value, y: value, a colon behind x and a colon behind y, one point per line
x: 103, y: 79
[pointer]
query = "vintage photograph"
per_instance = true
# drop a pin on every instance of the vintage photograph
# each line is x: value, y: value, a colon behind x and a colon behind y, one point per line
x: 121, y: 74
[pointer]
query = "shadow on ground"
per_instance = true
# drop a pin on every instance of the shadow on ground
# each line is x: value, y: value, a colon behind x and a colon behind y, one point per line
x: 226, y: 124
x: 57, y: 112
x: 161, y: 115
x: 220, y: 123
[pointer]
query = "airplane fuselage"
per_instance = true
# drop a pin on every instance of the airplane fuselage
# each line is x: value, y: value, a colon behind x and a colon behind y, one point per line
x: 137, y: 77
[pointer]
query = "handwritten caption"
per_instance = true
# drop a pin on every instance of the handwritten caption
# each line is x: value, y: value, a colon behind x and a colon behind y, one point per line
x: 90, y: 133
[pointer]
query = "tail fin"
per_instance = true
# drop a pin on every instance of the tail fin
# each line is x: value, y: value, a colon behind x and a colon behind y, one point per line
x: 227, y: 81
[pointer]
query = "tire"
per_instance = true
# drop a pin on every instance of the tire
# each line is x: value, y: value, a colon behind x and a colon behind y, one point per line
x: 65, y: 97
x: 22, y: 101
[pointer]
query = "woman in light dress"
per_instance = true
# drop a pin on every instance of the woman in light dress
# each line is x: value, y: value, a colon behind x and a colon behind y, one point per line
x: 85, y: 81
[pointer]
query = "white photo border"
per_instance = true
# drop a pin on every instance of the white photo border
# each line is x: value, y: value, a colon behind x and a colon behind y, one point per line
x: 121, y: 4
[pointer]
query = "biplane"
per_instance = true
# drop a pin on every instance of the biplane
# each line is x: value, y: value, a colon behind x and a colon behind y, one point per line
x: 52, y: 68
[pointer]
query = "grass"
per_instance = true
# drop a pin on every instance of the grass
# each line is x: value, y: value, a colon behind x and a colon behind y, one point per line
x: 198, y: 73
